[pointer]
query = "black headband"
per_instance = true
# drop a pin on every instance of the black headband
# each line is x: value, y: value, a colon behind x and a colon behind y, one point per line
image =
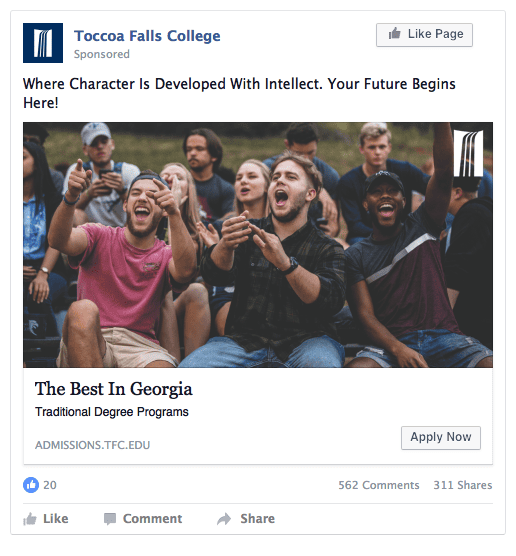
x: 148, y: 177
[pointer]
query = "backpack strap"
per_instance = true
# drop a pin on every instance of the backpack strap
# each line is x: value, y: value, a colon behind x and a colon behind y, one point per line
x: 117, y: 167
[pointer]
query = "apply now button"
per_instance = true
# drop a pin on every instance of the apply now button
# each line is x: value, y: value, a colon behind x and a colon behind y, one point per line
x: 440, y: 438
x: 424, y: 34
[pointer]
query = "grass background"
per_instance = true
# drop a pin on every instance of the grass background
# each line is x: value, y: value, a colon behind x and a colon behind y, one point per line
x: 338, y: 145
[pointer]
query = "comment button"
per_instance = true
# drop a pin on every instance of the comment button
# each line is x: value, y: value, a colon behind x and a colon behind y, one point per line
x: 424, y: 34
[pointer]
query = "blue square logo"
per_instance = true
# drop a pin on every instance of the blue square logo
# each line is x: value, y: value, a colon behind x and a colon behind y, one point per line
x: 42, y: 43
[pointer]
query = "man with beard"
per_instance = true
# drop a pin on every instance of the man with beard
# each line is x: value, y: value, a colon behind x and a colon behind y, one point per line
x: 397, y: 287
x: 303, y: 139
x: 289, y: 281
x: 203, y: 151
x: 124, y: 275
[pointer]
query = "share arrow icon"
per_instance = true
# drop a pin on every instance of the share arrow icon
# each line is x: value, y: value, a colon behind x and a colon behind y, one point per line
x: 225, y: 519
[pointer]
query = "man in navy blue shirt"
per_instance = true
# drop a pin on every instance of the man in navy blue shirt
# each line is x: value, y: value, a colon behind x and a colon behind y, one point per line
x: 375, y: 145
x: 302, y: 139
x: 203, y: 151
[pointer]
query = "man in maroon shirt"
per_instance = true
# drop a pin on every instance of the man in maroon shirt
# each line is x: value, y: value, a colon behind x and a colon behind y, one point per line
x: 395, y: 278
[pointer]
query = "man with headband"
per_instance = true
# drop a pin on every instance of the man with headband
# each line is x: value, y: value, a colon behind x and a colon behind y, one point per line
x: 124, y: 275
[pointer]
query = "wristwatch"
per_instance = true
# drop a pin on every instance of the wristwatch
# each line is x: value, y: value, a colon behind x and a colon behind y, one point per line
x: 45, y: 270
x: 293, y: 265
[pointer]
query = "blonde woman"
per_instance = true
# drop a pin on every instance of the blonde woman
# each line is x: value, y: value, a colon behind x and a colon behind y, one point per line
x: 251, y: 184
x: 189, y: 313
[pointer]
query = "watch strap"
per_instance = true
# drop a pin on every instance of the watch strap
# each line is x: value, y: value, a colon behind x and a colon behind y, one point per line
x: 293, y: 265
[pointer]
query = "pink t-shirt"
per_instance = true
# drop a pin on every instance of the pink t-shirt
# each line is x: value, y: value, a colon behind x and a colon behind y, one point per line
x: 126, y: 283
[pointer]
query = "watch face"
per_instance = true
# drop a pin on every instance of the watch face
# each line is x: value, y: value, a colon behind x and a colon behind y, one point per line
x: 293, y: 265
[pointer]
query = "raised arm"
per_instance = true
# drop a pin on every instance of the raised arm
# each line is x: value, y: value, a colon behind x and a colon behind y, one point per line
x: 61, y: 235
x: 183, y: 265
x: 438, y: 191
x: 362, y: 308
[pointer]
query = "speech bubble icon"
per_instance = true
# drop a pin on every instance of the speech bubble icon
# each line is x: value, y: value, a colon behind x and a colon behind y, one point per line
x: 109, y: 518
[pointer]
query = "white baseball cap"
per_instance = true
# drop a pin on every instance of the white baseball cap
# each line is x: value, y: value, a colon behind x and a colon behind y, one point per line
x: 92, y: 130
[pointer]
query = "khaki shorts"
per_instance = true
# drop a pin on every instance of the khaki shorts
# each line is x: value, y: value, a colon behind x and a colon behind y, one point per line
x: 125, y: 349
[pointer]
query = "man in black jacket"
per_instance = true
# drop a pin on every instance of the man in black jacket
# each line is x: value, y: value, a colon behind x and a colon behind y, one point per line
x: 468, y: 260
x: 289, y: 281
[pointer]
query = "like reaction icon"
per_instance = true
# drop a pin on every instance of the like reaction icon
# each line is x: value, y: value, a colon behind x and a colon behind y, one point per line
x: 30, y: 485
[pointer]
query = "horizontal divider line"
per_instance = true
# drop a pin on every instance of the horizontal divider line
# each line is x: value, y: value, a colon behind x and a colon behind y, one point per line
x: 255, y: 503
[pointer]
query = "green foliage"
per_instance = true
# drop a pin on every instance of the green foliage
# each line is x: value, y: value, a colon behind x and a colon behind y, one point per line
x: 338, y: 146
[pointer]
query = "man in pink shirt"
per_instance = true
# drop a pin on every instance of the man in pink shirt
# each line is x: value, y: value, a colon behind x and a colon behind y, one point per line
x: 124, y: 275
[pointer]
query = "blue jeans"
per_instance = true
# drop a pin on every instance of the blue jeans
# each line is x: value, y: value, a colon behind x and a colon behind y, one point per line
x: 439, y: 348
x: 57, y: 287
x: 224, y: 352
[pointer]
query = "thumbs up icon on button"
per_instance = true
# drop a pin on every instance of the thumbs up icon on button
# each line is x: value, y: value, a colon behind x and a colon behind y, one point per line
x: 29, y: 520
x: 394, y: 34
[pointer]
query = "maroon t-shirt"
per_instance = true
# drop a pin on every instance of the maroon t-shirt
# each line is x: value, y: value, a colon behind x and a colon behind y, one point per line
x: 126, y: 283
x: 405, y: 277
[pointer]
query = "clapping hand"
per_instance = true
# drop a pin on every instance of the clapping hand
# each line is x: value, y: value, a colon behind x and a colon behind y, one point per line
x: 235, y: 231
x: 271, y: 248
x: 209, y: 235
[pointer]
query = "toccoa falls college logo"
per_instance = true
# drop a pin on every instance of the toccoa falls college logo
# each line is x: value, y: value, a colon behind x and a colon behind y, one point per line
x: 468, y: 153
x: 42, y: 43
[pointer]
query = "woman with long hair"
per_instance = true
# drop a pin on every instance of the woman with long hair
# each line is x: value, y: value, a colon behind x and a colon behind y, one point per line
x: 189, y: 312
x: 251, y: 185
x: 41, y: 286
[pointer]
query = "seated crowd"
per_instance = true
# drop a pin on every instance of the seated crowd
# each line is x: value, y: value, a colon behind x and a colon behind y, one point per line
x: 182, y: 268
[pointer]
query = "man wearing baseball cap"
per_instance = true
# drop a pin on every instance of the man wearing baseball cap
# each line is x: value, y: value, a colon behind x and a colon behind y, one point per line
x: 103, y: 201
x: 125, y: 274
x: 396, y: 282
x: 375, y: 146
